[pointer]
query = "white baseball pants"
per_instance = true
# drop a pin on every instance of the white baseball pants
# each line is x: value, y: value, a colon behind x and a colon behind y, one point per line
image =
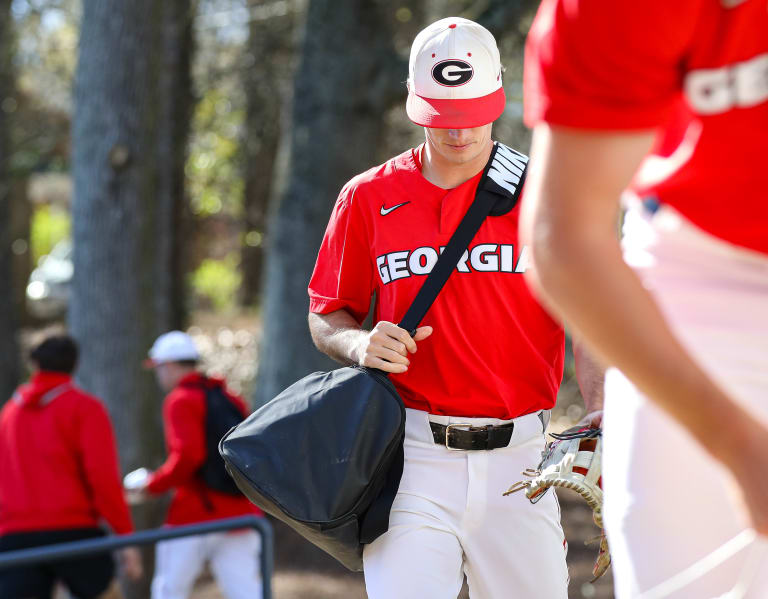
x: 233, y: 557
x: 668, y: 504
x: 450, y: 518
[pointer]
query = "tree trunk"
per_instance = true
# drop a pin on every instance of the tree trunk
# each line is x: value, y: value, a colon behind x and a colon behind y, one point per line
x: 19, y: 227
x: 132, y: 106
x: 341, y: 89
x: 9, y: 349
x: 132, y: 111
x: 267, y: 77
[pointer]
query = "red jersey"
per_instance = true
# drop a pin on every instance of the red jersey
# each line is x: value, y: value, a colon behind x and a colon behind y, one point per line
x: 695, y: 69
x: 494, y: 351
x: 184, y: 424
x: 58, y: 460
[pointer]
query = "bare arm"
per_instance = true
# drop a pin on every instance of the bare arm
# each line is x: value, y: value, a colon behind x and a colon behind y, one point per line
x: 337, y: 335
x: 590, y: 375
x: 568, y: 218
x: 385, y: 347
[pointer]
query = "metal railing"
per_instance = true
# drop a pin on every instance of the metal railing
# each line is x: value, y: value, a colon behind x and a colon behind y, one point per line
x: 58, y: 551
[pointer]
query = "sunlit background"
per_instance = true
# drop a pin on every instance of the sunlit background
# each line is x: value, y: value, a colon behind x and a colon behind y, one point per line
x: 186, y: 181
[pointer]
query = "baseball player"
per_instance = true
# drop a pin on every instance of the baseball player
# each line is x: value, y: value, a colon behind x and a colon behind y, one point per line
x: 233, y: 556
x: 670, y: 101
x: 480, y: 375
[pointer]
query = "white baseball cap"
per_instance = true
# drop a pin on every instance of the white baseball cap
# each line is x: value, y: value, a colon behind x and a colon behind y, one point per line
x: 454, y: 76
x: 175, y: 346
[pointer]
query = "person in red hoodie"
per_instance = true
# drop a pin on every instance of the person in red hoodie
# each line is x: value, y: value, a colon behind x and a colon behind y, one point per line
x: 59, y: 480
x: 234, y: 556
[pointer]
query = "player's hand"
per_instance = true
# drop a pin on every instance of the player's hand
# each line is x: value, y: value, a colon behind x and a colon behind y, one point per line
x: 135, y: 496
x: 130, y: 563
x: 387, y: 346
x: 594, y: 419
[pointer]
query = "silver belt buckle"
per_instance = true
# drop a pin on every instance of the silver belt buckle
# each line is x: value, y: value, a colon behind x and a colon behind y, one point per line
x: 448, y: 430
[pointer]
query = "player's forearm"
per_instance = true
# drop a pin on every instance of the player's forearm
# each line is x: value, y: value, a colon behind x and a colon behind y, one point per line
x: 337, y: 335
x: 586, y: 280
x: 179, y: 469
x: 590, y: 375
x: 568, y: 218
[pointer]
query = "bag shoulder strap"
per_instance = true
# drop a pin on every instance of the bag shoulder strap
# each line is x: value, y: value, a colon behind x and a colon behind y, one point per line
x: 497, y: 192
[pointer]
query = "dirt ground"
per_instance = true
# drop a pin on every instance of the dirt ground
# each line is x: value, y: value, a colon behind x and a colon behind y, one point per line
x: 304, y: 572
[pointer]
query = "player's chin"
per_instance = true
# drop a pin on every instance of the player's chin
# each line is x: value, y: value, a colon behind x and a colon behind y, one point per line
x: 461, y: 154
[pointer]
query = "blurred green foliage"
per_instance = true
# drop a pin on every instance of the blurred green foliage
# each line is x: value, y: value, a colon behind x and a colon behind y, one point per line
x: 47, y: 34
x: 49, y: 226
x: 213, y: 174
x: 217, y: 281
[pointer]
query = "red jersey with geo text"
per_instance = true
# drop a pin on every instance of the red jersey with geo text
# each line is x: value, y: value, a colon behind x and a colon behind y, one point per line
x: 695, y: 69
x: 494, y: 351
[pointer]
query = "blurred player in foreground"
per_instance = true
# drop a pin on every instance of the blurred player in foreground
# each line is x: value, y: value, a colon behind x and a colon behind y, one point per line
x: 668, y: 100
x: 59, y: 479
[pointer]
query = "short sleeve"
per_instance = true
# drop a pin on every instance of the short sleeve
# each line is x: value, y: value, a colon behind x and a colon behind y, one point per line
x: 606, y: 65
x: 343, y: 275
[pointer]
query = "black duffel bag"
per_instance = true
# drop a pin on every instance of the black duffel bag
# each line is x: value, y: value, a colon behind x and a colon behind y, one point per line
x: 295, y: 445
x: 326, y: 455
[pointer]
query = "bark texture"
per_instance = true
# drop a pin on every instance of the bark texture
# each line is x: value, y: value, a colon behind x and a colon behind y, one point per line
x: 268, y: 63
x: 9, y: 348
x: 342, y: 86
x: 132, y: 109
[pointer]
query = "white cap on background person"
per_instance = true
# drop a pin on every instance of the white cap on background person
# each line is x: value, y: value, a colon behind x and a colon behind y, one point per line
x: 454, y: 76
x: 174, y: 346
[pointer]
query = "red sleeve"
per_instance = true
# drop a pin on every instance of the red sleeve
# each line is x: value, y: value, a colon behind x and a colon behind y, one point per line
x: 606, y: 65
x: 98, y: 450
x: 343, y: 275
x: 183, y: 418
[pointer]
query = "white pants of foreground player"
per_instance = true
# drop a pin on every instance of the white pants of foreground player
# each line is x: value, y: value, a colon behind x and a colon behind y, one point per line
x: 233, y: 557
x: 668, y: 504
x: 450, y: 518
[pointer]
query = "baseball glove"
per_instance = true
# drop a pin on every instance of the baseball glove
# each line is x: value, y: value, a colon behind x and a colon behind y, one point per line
x: 572, y: 461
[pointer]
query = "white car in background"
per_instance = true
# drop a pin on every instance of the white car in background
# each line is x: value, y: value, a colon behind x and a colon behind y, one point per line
x: 49, y: 284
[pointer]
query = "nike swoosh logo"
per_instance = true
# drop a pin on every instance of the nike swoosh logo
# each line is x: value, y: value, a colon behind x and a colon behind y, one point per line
x: 385, y: 211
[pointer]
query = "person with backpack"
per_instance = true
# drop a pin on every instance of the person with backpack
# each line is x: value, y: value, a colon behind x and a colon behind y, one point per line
x: 197, y: 412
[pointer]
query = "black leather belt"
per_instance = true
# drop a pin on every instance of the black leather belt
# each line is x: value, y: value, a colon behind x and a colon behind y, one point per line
x: 463, y: 436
